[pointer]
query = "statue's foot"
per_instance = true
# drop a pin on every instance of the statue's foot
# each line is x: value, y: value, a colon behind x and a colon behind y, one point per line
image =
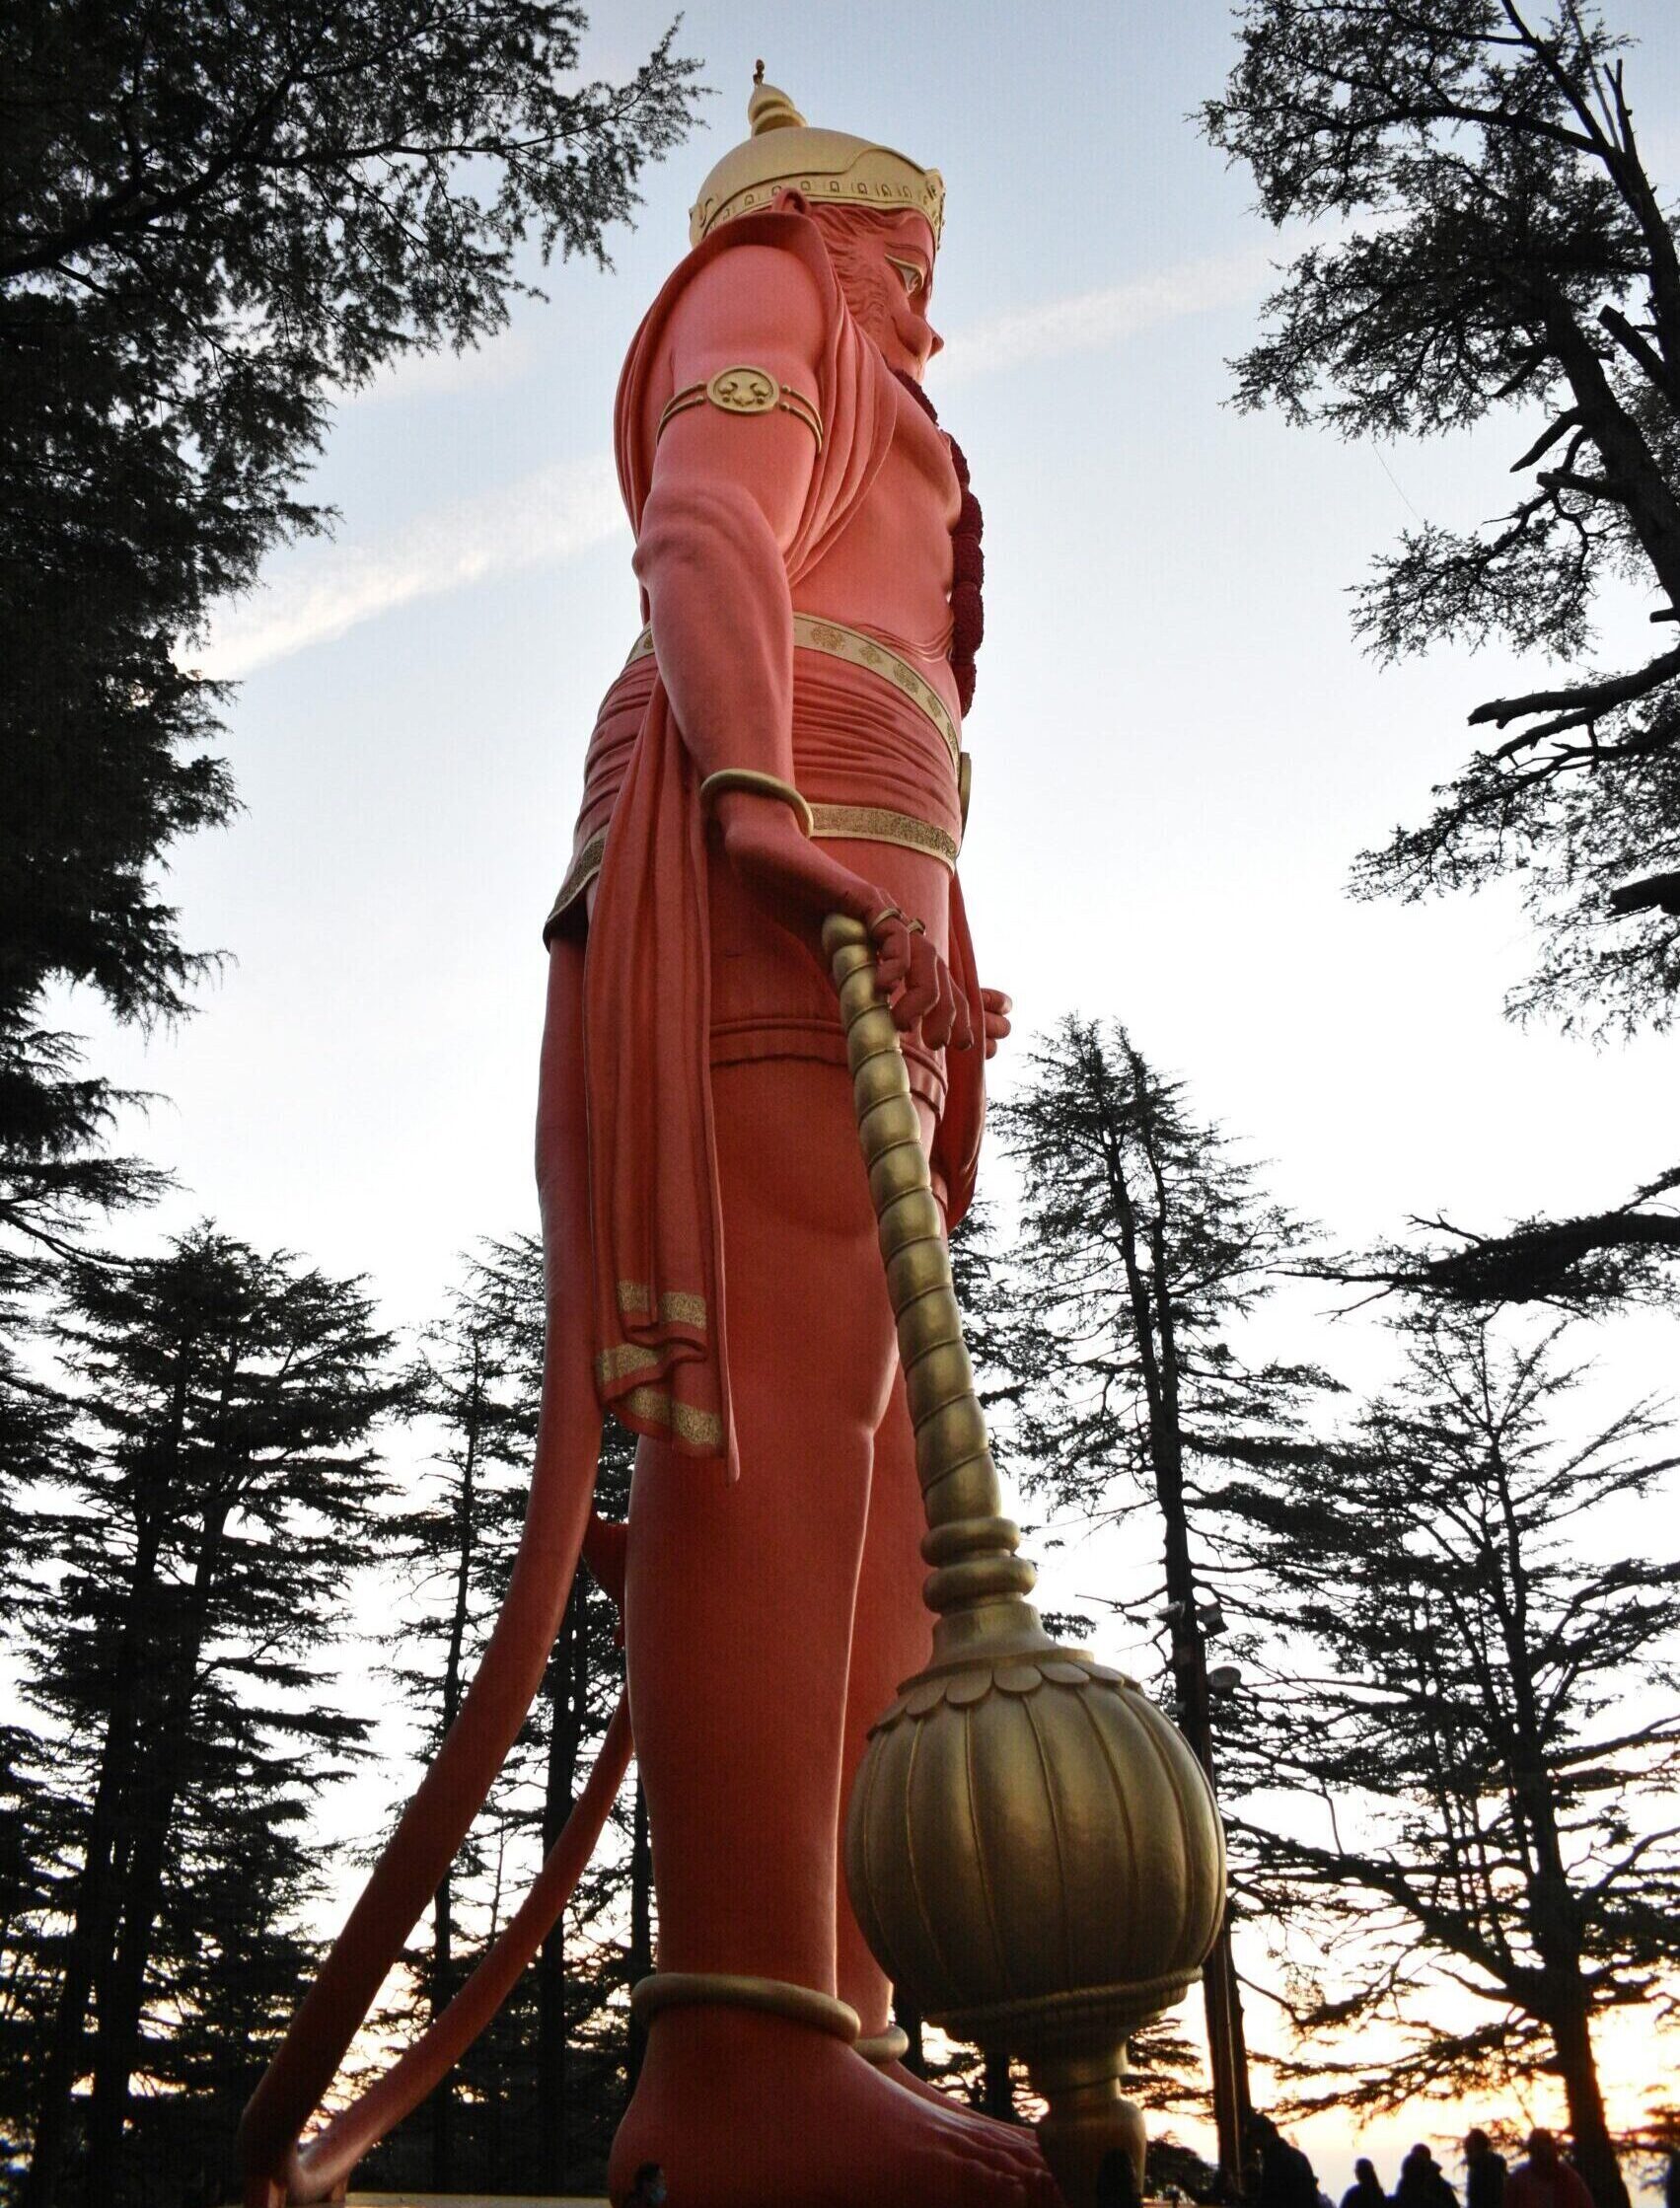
x: 743, y: 2111
x: 1018, y: 2136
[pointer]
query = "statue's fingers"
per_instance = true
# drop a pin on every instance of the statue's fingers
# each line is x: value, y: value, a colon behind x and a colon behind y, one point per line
x: 892, y: 958
x: 922, y: 988
x: 962, y: 1026
x: 940, y: 1025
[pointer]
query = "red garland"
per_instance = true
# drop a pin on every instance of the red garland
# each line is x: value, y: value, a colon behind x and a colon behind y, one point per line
x: 968, y: 562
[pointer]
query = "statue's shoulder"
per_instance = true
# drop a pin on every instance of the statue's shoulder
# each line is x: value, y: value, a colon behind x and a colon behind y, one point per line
x: 759, y: 292
x: 767, y: 282
x: 765, y: 278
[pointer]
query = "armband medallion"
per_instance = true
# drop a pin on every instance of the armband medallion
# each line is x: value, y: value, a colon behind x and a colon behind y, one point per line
x: 745, y: 390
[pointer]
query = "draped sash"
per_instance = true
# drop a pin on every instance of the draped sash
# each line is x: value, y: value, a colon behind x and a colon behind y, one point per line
x: 662, y: 1358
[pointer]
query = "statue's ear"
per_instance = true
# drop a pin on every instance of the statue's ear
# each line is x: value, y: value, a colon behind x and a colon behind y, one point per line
x: 787, y: 202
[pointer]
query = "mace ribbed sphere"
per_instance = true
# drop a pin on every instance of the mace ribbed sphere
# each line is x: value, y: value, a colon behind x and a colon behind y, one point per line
x: 1033, y: 1849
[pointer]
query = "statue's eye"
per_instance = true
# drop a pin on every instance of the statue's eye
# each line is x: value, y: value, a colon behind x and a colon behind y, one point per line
x: 910, y: 274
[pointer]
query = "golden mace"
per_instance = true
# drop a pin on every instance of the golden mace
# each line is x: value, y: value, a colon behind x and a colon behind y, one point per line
x: 1033, y: 1852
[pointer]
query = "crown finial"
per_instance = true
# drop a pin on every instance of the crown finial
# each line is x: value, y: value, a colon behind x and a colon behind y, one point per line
x: 759, y: 70
x: 769, y: 108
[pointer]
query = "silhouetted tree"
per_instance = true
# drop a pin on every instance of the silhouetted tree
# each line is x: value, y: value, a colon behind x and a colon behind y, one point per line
x: 211, y: 220
x: 1473, y: 1684
x: 1144, y: 1244
x: 223, y: 1488
x: 1520, y: 255
x: 1590, y: 1262
x: 586, y: 1675
x: 512, y: 2112
x: 479, y: 1381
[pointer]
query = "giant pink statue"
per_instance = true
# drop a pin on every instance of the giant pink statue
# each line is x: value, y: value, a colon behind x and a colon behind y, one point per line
x: 774, y: 796
x: 782, y: 744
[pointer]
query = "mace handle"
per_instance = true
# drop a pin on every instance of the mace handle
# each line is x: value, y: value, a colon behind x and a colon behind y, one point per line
x: 977, y: 1582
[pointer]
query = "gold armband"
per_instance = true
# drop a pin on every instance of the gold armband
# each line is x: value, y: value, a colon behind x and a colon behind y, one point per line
x: 745, y: 390
x: 766, y: 785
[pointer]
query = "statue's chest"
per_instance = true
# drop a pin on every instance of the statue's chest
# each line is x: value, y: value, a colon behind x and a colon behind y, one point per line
x: 893, y: 559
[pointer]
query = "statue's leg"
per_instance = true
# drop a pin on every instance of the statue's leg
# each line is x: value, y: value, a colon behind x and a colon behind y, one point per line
x: 891, y: 1640
x: 739, y: 1626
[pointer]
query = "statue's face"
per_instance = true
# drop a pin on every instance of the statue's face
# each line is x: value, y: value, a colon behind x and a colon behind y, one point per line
x: 886, y: 271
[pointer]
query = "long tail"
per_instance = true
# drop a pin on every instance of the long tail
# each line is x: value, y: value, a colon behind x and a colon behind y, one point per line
x: 311, y: 2172
x: 454, y: 1789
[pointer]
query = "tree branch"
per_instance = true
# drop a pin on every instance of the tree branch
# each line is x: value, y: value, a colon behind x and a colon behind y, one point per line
x: 1615, y: 689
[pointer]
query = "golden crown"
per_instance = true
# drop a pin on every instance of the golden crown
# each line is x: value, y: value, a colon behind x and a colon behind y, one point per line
x: 785, y: 153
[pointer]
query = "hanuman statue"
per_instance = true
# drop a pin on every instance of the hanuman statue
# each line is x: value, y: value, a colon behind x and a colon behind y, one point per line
x: 783, y: 744
x: 773, y: 803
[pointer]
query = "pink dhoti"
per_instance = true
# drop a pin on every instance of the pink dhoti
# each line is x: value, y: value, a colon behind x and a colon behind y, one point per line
x: 875, y: 756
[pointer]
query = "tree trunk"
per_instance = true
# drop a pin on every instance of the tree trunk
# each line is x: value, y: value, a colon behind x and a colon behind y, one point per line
x: 1578, y: 2065
x: 641, y: 1924
x: 908, y: 2017
x: 568, y: 1683
x: 997, y: 2089
x: 443, y: 1906
x: 159, y: 1778
x: 1152, y: 1301
x: 1222, y: 2001
x: 92, y: 1929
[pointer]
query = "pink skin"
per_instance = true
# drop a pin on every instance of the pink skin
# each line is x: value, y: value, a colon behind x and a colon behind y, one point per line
x: 767, y: 1623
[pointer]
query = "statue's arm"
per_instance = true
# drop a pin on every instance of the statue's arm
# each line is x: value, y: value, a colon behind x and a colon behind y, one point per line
x: 725, y: 500
x: 724, y: 504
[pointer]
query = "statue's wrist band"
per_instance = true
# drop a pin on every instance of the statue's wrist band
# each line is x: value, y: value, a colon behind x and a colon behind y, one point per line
x: 771, y: 1996
x: 763, y: 785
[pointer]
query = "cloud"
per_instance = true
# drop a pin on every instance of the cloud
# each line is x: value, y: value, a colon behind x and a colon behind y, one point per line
x: 502, y: 359
x: 322, y: 591
x: 1091, y: 320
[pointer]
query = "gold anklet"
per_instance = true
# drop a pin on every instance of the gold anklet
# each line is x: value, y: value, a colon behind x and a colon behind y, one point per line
x: 891, y: 2045
x: 717, y: 1989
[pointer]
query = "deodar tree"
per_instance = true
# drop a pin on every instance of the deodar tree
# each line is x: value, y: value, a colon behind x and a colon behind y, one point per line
x: 531, y: 2106
x: 1472, y: 1678
x: 212, y: 220
x: 220, y: 1491
x: 1505, y: 248
x: 1144, y: 1245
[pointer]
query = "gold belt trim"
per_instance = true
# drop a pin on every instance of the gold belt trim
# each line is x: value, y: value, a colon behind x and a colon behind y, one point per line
x: 871, y: 824
x: 840, y: 642
x: 585, y: 866
x: 857, y: 824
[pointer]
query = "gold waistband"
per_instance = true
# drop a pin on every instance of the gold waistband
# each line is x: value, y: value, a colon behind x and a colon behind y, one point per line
x: 857, y: 824
x: 813, y: 634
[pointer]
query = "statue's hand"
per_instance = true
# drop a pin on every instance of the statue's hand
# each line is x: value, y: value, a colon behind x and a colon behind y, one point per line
x: 801, y: 885
x: 995, y: 1008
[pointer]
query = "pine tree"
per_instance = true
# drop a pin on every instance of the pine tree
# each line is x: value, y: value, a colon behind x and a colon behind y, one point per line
x: 1519, y: 254
x: 511, y: 2113
x: 1143, y: 1245
x: 1474, y: 1684
x: 480, y: 1380
x: 223, y: 1493
x: 211, y: 221
x: 585, y: 1678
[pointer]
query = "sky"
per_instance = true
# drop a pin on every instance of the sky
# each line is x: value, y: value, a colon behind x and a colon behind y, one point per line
x: 1177, y: 745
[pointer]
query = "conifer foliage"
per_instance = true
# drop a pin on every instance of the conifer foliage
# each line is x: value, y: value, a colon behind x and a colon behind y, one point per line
x: 204, y: 1521
x: 211, y: 220
x: 1506, y: 245
x: 1470, y: 1672
x: 531, y: 2106
x: 1144, y: 1243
